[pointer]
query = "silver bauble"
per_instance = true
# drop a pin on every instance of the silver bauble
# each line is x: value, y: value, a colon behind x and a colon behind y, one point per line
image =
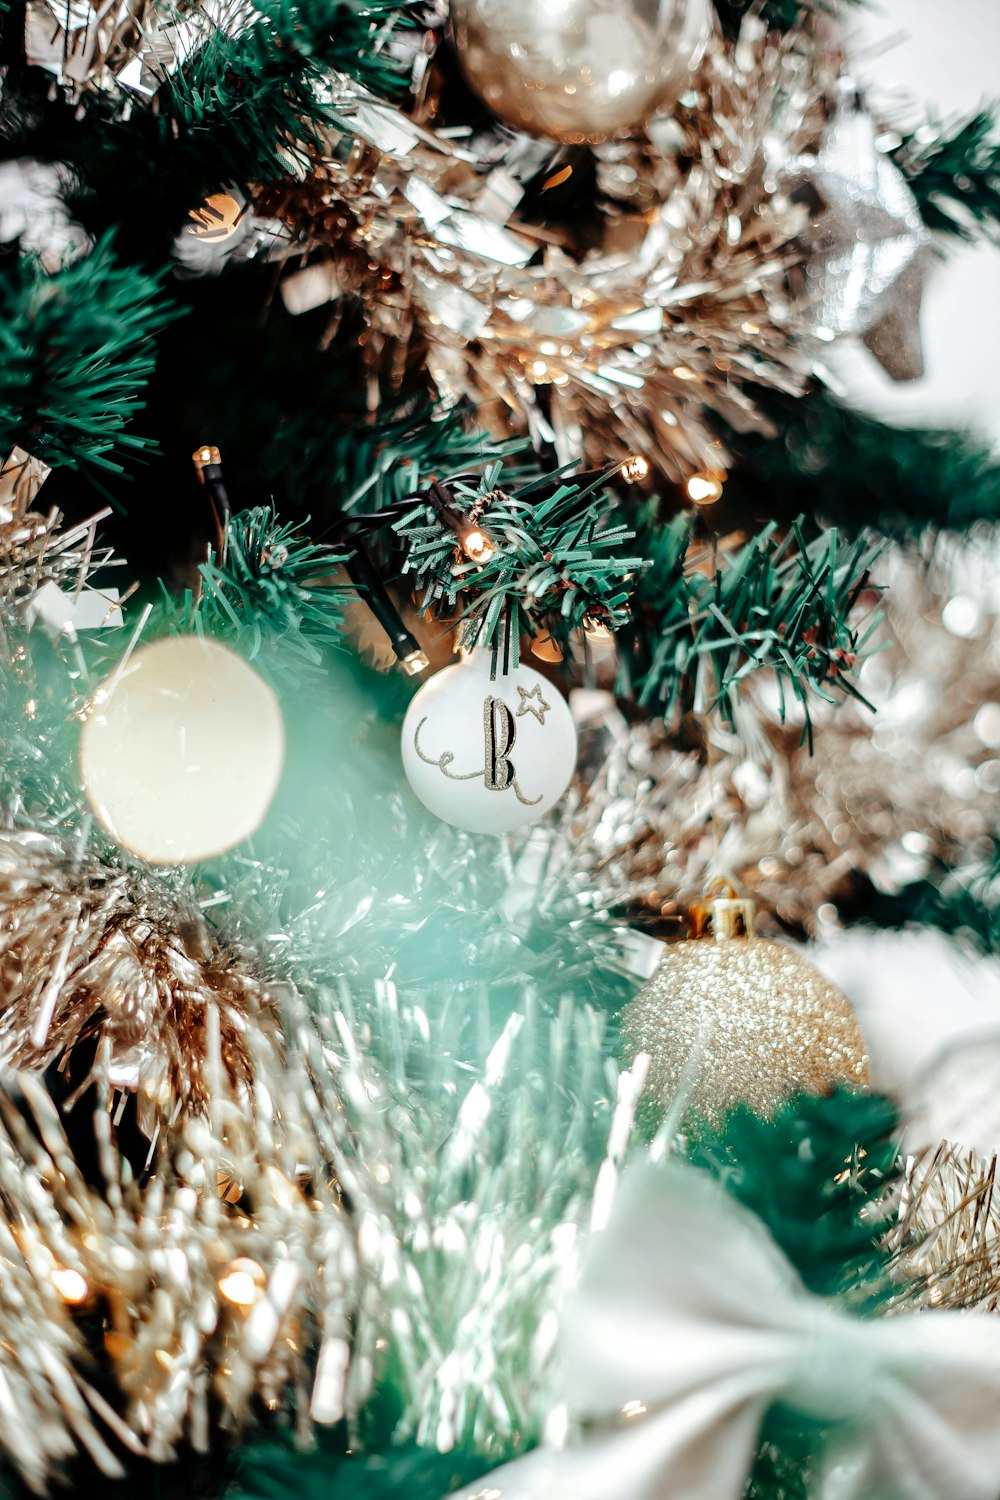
x: 578, y: 70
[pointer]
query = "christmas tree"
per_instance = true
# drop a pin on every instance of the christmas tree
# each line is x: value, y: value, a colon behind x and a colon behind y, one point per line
x: 468, y: 679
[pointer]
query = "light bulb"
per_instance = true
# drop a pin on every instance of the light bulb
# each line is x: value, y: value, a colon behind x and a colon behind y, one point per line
x: 71, y: 1286
x: 477, y: 546
x: 635, y: 469
x: 242, y: 1282
x: 414, y: 662
x: 705, y: 488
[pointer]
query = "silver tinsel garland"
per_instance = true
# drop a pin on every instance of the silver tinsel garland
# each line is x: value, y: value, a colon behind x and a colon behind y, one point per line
x: 355, y: 1161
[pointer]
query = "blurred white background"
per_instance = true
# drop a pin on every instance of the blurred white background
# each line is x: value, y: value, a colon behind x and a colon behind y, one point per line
x: 946, y: 57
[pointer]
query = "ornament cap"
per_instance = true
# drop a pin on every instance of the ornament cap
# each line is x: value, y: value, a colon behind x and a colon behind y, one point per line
x: 724, y: 913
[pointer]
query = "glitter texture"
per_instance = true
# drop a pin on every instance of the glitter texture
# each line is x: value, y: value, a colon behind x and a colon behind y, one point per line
x: 743, y: 1021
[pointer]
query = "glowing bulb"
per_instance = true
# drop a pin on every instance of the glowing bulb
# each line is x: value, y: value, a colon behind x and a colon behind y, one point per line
x: 415, y: 662
x: 681, y: 372
x: 71, y: 1286
x: 477, y: 546
x: 242, y: 1282
x: 704, y: 488
x: 635, y: 468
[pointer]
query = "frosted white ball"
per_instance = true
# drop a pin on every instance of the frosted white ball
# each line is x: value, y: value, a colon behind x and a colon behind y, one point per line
x: 182, y: 750
x: 488, y: 756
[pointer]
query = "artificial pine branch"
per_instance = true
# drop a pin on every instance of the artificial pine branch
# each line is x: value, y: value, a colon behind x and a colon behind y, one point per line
x: 779, y: 15
x: 260, y: 100
x: 964, y: 904
x: 76, y: 351
x: 554, y: 561
x: 844, y: 467
x: 779, y: 603
x: 271, y: 588
x: 815, y: 1175
x: 955, y: 176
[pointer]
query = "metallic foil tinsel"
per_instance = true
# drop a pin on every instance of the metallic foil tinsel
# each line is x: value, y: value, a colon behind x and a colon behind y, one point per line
x: 90, y: 951
x: 674, y: 312
x: 129, y: 45
x: 393, y: 1177
x: 883, y: 798
x: 946, y: 1240
x: 35, y: 549
x: 347, y: 1221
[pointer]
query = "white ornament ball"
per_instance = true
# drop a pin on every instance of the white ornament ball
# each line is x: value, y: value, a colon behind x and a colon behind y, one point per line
x: 578, y: 70
x: 182, y: 751
x: 488, y: 755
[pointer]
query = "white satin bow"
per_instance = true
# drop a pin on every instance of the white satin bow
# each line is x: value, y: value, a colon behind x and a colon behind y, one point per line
x: 689, y: 1322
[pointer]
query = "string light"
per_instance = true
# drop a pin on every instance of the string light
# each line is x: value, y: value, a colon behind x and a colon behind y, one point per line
x: 705, y: 487
x: 414, y: 662
x: 477, y: 546
x: 71, y: 1286
x: 635, y: 469
x: 243, y: 1282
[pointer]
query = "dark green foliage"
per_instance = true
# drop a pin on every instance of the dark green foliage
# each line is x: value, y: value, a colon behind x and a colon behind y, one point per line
x: 964, y: 905
x: 257, y: 99
x: 557, y: 560
x: 781, y: 602
x: 781, y: 15
x: 76, y: 350
x: 955, y: 176
x: 814, y: 1175
x: 271, y: 589
x: 277, y: 1471
x: 377, y: 464
x: 836, y: 464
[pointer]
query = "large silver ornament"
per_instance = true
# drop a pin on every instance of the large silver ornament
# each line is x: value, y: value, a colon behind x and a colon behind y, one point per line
x: 578, y: 70
x: 869, y: 244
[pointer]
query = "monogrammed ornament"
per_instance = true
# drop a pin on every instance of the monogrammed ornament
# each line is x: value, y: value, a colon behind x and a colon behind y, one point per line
x: 488, y: 754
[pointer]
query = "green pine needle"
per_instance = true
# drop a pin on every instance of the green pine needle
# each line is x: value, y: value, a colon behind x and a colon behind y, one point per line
x: 261, y: 98
x: 76, y: 351
x: 780, y: 15
x: 556, y: 562
x: 817, y: 1175
x: 279, y: 1471
x: 964, y: 904
x: 955, y: 176
x: 780, y: 603
x: 838, y: 464
x: 272, y: 593
x: 814, y: 1174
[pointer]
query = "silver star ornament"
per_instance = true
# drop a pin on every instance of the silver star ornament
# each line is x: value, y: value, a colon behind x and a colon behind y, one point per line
x: 868, y: 244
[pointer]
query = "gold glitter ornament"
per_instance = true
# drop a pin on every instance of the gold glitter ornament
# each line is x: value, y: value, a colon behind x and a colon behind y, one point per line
x: 729, y: 1018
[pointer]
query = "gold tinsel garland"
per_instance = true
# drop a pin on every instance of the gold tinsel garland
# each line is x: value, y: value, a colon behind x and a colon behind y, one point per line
x: 946, y: 1240
x: 675, y: 310
x: 882, y: 798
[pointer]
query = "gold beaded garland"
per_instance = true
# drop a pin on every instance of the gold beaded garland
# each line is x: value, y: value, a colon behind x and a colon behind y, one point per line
x: 737, y: 1019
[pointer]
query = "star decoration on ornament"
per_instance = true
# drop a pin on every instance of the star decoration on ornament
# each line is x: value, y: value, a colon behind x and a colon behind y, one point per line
x: 865, y: 275
x: 532, y: 702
